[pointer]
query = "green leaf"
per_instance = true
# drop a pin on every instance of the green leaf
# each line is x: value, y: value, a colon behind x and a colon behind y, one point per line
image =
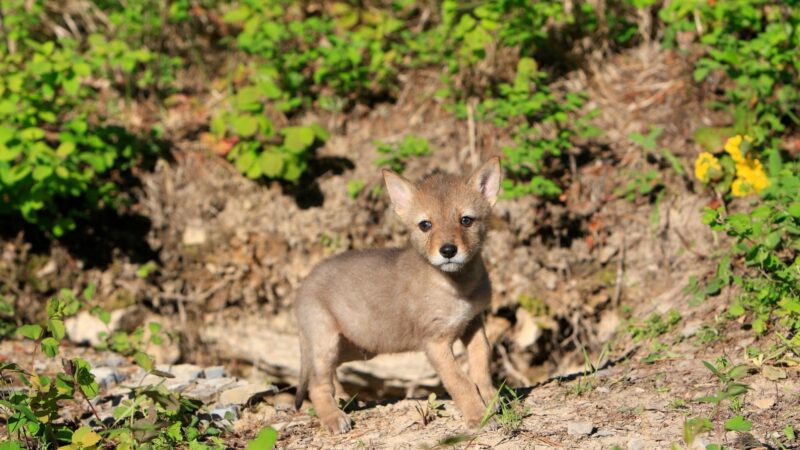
x: 65, y: 149
x: 794, y: 210
x: 11, y: 445
x: 32, y: 332
x: 50, y: 346
x: 320, y: 132
x: 249, y: 99
x: 713, y: 369
x: 271, y: 163
x: 264, y: 440
x: 42, y: 172
x: 712, y: 139
x: 297, y: 139
x: 56, y: 328
x: 85, y: 437
x: 693, y: 427
x: 247, y: 159
x: 88, y: 293
x: 738, y: 371
x: 143, y: 360
x: 245, y: 125
x: 738, y: 423
x: 237, y: 15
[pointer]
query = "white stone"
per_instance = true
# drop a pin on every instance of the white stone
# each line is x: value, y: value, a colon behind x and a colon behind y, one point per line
x: 580, y: 428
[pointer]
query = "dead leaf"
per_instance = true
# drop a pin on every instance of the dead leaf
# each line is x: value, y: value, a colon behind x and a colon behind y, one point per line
x: 764, y: 403
x: 773, y: 373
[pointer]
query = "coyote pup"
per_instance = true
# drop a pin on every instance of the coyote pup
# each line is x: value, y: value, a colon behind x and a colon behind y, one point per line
x: 363, y: 303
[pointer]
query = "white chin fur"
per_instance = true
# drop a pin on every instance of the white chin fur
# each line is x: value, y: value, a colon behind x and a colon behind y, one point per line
x: 451, y: 267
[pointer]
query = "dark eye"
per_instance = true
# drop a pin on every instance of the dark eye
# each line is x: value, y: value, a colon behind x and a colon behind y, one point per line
x: 466, y: 221
x: 425, y: 225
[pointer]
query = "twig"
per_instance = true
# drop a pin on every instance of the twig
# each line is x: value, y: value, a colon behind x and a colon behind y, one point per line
x: 69, y: 368
x: 620, y: 272
x: 471, y: 134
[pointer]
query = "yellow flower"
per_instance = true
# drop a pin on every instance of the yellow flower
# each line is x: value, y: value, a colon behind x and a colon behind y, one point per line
x: 732, y: 147
x: 707, y: 167
x: 750, y: 178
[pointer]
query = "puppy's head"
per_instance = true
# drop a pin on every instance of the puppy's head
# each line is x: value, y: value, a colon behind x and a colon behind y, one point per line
x: 447, y: 215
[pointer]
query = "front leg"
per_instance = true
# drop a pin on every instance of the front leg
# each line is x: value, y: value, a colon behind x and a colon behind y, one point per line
x: 479, y: 355
x: 461, y: 389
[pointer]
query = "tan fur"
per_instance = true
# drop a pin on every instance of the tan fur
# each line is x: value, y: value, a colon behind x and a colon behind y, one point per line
x: 363, y: 303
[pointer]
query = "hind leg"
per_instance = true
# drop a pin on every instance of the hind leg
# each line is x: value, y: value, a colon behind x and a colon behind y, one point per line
x: 321, y: 388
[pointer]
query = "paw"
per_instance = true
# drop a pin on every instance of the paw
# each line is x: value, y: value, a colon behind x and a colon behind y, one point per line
x: 337, y: 423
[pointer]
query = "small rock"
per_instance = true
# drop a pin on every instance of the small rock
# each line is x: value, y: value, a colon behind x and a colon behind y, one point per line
x: 220, y: 411
x: 84, y: 328
x: 579, y: 428
x: 527, y: 331
x: 637, y: 444
x: 603, y: 390
x: 111, y: 361
x: 603, y: 433
x: 106, y: 376
x: 764, y: 403
x: 700, y: 443
x: 606, y: 253
x: 550, y: 279
x: 207, y: 390
x: 773, y: 373
x: 186, y: 372
x: 194, y: 235
x: 691, y: 329
x: 241, y: 395
x: 214, y: 372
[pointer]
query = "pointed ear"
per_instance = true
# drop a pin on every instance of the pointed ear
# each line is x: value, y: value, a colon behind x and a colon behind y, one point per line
x: 487, y: 179
x: 401, y: 191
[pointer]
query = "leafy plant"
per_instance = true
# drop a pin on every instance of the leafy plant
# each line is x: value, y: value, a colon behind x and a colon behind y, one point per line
x: 396, y: 155
x: 754, y: 44
x: 767, y: 241
x: 654, y: 325
x: 35, y: 409
x: 56, y: 164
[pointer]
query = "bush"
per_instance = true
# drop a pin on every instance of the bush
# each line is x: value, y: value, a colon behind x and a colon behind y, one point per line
x: 58, y: 159
x: 329, y: 59
x: 756, y: 45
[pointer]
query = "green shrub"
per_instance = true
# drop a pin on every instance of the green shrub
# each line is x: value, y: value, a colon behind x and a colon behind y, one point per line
x: 395, y: 155
x: 756, y: 45
x: 36, y: 412
x: 299, y: 60
x: 59, y: 158
x: 543, y: 124
x: 767, y: 245
x: 55, y: 165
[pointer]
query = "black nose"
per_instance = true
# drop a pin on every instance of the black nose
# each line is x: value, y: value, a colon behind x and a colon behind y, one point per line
x: 448, y: 250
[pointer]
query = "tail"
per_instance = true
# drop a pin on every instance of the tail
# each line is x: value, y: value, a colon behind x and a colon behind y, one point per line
x: 305, y: 372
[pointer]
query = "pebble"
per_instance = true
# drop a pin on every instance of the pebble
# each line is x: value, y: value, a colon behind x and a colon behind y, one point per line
x: 220, y: 411
x: 580, y: 428
x: 214, y: 372
x: 691, y: 329
x: 637, y: 444
x: 241, y: 395
x: 207, y: 390
x: 106, y: 376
